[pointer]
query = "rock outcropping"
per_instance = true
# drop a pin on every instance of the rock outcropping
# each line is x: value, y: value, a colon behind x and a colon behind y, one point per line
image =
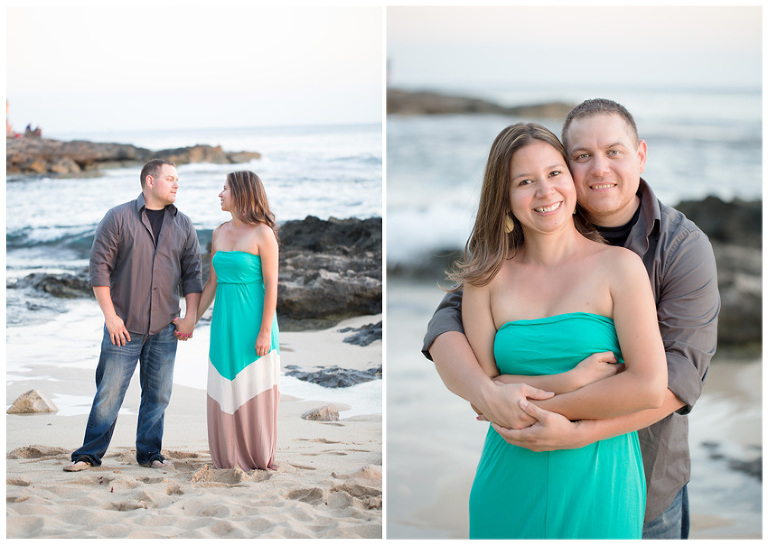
x: 430, y: 103
x: 329, y: 270
x: 735, y: 231
x: 56, y: 157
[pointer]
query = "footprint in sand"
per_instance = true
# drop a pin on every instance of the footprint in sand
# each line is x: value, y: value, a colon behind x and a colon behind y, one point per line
x: 142, y: 501
x: 36, y: 451
x: 16, y: 499
x: 179, y: 455
x: 370, y: 473
x: 174, y: 489
x: 229, y: 476
x: 152, y: 480
x: 365, y: 497
x: 301, y: 466
x: 312, y: 496
x: 130, y: 505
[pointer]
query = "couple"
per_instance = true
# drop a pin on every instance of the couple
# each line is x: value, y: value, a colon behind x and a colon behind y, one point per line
x: 566, y: 346
x: 144, y: 252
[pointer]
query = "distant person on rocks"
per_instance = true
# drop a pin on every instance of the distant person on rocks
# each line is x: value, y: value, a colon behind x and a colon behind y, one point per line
x: 606, y: 158
x: 143, y: 252
x: 29, y: 132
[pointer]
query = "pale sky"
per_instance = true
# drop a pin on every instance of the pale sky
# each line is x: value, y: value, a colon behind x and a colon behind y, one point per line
x: 689, y: 46
x: 92, y: 68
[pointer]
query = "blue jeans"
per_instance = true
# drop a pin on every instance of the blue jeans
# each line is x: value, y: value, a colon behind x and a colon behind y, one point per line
x: 674, y: 522
x: 156, y: 354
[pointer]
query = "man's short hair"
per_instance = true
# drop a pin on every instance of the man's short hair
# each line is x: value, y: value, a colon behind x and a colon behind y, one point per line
x: 152, y: 168
x: 599, y: 106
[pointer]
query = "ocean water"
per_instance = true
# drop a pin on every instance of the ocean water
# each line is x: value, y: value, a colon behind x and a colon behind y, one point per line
x: 324, y: 171
x: 700, y: 143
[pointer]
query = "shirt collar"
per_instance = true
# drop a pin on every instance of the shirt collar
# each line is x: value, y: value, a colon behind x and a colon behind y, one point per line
x: 141, y: 204
x: 650, y: 217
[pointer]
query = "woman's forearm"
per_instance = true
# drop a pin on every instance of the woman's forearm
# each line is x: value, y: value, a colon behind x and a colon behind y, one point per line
x: 270, y: 307
x: 622, y: 394
x: 559, y: 383
x: 206, y: 298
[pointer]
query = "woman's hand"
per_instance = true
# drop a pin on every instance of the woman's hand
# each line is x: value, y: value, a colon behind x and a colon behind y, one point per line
x: 263, y: 343
x: 594, y: 368
x: 506, y: 401
x: 184, y: 328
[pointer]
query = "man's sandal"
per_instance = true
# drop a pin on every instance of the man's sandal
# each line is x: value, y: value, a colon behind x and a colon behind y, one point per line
x: 77, y: 466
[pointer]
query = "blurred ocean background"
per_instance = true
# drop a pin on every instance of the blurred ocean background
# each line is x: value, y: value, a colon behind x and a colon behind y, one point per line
x: 700, y: 142
x: 324, y: 171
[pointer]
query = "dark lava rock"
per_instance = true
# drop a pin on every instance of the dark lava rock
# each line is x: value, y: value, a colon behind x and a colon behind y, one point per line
x: 335, y: 377
x: 64, y: 285
x: 363, y: 336
x: 736, y: 222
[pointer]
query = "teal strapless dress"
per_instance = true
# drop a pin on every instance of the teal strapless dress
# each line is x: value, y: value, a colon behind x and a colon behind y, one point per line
x: 593, y: 492
x: 243, y: 387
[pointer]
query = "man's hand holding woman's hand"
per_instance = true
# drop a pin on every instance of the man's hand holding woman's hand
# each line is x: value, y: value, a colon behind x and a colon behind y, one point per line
x: 551, y: 431
x: 184, y: 328
x: 502, y: 405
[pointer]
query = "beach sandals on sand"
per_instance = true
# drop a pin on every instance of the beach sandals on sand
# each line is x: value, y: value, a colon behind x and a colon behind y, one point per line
x: 77, y: 466
x: 82, y: 464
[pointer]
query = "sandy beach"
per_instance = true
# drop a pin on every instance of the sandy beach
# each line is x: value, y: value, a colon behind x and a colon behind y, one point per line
x: 328, y: 484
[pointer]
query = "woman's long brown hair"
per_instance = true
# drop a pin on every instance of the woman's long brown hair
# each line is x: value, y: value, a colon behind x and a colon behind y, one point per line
x: 249, y: 199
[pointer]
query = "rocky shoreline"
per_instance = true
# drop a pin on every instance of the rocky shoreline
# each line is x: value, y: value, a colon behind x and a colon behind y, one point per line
x: 329, y: 270
x: 27, y: 155
x: 735, y: 231
x: 430, y: 103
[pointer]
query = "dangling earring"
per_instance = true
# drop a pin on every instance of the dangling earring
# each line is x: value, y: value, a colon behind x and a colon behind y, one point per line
x: 509, y: 223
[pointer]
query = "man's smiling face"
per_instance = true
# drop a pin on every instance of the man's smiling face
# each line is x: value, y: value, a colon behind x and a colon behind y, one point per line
x: 606, y: 162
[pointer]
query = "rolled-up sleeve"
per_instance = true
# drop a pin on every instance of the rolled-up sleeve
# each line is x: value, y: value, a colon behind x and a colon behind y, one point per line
x: 446, y: 318
x: 687, y: 309
x: 104, y: 250
x: 191, y: 265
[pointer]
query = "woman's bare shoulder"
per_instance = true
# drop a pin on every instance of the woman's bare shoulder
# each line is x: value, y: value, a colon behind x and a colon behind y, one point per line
x: 264, y: 233
x: 221, y: 228
x: 621, y: 257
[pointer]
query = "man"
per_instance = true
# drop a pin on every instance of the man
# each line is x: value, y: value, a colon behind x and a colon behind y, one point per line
x: 143, y: 251
x: 606, y: 158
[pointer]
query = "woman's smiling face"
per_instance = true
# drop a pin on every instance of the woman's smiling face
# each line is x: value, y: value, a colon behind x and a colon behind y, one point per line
x: 541, y: 191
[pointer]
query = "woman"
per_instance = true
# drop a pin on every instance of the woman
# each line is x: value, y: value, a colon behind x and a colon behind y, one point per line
x: 541, y: 294
x: 244, y: 361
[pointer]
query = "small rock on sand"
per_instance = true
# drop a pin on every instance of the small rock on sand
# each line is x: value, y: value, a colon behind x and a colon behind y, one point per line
x: 32, y: 402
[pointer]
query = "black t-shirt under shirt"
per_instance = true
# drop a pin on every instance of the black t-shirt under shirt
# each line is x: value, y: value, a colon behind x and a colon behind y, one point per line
x: 155, y: 218
x: 617, y: 236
